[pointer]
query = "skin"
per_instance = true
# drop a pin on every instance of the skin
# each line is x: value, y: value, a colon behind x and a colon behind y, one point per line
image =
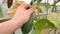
x: 21, y: 17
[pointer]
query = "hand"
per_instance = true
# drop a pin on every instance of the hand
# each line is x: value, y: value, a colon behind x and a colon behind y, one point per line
x: 22, y: 14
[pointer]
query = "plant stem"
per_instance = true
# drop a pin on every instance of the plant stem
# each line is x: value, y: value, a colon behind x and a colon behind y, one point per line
x: 38, y: 9
x: 33, y: 3
x: 46, y: 9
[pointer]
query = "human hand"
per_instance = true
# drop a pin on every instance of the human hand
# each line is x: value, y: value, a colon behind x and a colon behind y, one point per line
x: 22, y: 13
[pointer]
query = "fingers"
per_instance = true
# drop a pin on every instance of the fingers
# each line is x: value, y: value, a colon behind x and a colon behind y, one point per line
x: 31, y: 10
x: 24, y: 5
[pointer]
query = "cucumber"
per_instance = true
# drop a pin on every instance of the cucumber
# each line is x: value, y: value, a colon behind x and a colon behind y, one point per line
x: 28, y: 26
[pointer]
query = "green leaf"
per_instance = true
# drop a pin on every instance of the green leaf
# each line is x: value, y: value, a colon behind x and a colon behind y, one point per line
x: 43, y: 24
x: 44, y: 5
x: 54, y: 17
x: 28, y: 26
x: 38, y: 5
x: 54, y: 5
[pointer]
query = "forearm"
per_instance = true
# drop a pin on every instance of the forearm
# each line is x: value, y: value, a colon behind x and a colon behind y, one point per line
x: 9, y: 27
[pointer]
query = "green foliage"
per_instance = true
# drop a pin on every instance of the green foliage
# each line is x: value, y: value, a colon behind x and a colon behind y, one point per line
x: 54, y: 7
x: 40, y: 24
x: 43, y: 5
x: 43, y: 24
x: 28, y: 26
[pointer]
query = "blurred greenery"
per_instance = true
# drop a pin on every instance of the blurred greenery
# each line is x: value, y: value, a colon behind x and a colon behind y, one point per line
x: 43, y: 24
x: 54, y: 17
x: 1, y: 12
x: 43, y: 5
x: 54, y: 7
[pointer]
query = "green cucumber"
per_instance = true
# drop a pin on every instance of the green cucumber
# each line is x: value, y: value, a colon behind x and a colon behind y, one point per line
x: 28, y: 26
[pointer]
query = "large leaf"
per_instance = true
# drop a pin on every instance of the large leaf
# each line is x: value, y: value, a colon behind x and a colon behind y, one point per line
x: 28, y: 26
x: 43, y: 24
x: 54, y: 17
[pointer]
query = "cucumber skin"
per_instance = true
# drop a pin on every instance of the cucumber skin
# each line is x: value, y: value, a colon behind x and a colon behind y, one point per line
x: 28, y: 26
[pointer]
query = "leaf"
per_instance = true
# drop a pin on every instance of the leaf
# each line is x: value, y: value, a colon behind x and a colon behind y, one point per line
x: 54, y: 18
x: 44, y: 5
x: 43, y: 24
x: 37, y: 5
x: 28, y: 26
x: 54, y: 5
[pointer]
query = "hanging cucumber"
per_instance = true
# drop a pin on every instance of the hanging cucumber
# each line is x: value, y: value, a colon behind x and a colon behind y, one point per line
x: 28, y: 26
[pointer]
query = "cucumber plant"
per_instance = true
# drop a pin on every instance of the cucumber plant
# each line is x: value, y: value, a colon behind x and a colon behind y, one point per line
x: 39, y: 24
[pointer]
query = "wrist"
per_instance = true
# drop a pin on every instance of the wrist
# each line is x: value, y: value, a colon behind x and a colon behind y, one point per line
x: 17, y: 22
x: 14, y: 23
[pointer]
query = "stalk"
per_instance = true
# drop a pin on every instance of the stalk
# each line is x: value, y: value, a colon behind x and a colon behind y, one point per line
x: 38, y: 8
x: 35, y: 16
x: 46, y: 9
